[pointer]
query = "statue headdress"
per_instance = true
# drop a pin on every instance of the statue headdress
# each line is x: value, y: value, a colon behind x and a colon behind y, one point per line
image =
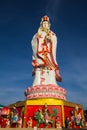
x: 45, y: 18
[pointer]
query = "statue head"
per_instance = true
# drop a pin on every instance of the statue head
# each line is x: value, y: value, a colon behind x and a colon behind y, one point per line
x: 45, y: 22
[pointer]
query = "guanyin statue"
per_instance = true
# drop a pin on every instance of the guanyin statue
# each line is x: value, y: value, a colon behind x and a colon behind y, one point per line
x: 44, y: 44
x: 45, y: 67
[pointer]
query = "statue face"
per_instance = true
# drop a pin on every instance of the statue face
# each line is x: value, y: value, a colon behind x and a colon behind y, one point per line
x: 45, y: 25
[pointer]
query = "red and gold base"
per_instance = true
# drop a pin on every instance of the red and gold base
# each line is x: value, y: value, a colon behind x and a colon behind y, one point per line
x: 64, y: 109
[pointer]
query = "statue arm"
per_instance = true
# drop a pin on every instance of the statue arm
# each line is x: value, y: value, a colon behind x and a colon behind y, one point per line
x: 34, y: 48
x: 54, y: 47
x: 34, y: 45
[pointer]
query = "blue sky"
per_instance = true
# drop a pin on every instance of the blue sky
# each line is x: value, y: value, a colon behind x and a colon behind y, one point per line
x: 19, y: 21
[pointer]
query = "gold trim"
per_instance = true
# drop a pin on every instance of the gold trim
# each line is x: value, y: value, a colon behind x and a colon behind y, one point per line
x: 51, y: 101
x: 25, y: 108
x: 63, y: 119
x: 42, y: 101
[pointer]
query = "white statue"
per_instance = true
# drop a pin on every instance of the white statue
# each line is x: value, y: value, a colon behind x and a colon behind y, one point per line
x: 46, y: 71
x: 44, y: 44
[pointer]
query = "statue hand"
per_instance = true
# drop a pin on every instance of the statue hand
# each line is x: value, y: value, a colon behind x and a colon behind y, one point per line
x: 39, y: 31
x: 58, y: 76
x: 48, y: 37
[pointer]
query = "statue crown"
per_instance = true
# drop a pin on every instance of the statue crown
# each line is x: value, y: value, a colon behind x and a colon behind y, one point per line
x: 45, y: 18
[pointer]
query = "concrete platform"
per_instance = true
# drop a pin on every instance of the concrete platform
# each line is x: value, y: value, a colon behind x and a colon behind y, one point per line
x: 41, y: 129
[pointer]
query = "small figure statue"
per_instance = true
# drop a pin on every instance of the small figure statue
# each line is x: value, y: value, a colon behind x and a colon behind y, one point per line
x: 67, y: 122
x: 14, y: 110
x: 82, y: 123
x: 72, y: 116
x: 45, y: 109
x: 76, y: 110
x: 44, y: 45
x: 43, y: 116
x: 58, y: 122
x: 29, y: 122
x: 49, y: 117
x: 15, y: 118
x: 39, y: 117
x: 78, y: 119
x: 8, y: 123
x: 19, y: 122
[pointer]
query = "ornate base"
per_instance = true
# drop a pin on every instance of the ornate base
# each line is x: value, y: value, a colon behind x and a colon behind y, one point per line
x: 63, y: 108
x: 45, y: 91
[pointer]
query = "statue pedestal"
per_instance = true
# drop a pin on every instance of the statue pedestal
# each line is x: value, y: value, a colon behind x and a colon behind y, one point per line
x: 63, y: 108
x: 45, y: 91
